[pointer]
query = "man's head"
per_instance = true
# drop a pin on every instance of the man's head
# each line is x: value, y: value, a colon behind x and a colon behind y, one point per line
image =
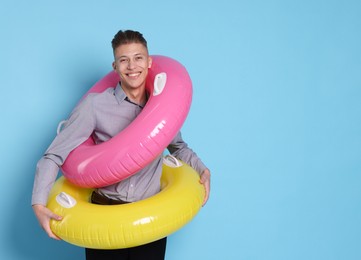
x: 126, y: 37
x: 131, y: 59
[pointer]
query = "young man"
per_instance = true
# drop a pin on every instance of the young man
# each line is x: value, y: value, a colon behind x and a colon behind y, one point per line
x: 104, y: 115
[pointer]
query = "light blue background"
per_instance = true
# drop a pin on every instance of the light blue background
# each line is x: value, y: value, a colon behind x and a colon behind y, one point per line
x: 276, y: 116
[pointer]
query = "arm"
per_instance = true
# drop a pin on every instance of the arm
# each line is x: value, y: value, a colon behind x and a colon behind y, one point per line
x: 46, y: 172
x: 77, y: 129
x: 179, y: 148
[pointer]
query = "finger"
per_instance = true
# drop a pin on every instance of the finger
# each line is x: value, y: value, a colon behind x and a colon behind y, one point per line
x: 206, y: 181
x: 46, y: 225
x: 205, y: 176
x: 47, y: 229
x: 206, y: 196
x: 205, y: 199
x: 207, y: 189
x: 56, y: 217
x: 51, y: 234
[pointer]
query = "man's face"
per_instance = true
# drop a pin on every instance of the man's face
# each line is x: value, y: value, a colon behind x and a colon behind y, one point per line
x: 131, y: 62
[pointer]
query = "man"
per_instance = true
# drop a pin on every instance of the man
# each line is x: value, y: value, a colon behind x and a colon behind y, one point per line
x: 104, y: 115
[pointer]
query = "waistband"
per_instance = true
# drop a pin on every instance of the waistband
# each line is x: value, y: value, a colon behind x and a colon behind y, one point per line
x: 97, y: 198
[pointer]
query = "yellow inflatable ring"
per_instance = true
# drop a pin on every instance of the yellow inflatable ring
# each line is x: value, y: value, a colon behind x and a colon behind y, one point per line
x: 122, y: 226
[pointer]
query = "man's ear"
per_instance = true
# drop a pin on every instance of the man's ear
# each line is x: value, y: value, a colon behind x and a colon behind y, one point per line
x: 150, y: 61
x: 114, y: 66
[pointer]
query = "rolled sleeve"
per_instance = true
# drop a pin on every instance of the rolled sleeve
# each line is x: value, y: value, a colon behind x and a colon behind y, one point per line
x: 46, y: 173
x: 179, y: 148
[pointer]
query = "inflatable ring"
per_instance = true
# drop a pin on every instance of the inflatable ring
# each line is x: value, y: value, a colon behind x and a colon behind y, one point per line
x: 127, y: 225
x: 145, y: 138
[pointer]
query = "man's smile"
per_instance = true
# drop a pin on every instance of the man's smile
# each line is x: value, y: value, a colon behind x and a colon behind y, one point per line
x: 133, y: 74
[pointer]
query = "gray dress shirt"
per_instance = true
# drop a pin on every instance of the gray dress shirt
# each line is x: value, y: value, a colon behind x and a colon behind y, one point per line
x: 102, y: 116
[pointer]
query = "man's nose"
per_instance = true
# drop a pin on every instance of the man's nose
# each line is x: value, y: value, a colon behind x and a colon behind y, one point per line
x: 131, y: 64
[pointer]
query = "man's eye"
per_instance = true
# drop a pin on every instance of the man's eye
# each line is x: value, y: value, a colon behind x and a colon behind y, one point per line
x: 139, y: 58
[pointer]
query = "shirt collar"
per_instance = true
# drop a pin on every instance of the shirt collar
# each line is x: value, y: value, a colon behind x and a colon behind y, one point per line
x: 120, y: 95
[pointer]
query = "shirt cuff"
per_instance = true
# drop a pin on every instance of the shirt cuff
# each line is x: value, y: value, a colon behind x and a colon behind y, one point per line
x: 46, y: 173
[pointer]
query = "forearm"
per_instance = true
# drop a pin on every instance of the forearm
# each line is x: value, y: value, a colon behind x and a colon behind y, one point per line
x: 191, y: 158
x: 76, y: 130
x: 46, y: 173
x: 179, y: 148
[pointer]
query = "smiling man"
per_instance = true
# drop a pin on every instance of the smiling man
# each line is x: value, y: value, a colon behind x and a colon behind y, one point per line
x: 131, y: 62
x: 102, y: 116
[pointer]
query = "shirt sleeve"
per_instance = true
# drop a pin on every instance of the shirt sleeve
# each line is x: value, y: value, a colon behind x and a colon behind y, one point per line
x: 46, y: 172
x: 179, y: 149
x: 76, y: 130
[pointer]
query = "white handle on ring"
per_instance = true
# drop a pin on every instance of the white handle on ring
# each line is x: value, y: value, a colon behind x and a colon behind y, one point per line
x: 60, y: 125
x: 159, y: 83
x: 65, y: 200
x: 171, y: 161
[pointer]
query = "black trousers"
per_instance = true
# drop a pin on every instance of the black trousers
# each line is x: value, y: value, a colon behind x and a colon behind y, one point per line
x: 152, y: 251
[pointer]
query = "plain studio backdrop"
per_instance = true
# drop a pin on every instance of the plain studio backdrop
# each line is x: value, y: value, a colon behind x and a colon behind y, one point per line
x: 276, y: 115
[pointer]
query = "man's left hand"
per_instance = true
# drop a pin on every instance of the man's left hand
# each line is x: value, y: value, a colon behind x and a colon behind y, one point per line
x: 206, y: 181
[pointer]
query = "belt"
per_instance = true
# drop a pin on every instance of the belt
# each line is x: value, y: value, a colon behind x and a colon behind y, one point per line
x: 97, y: 198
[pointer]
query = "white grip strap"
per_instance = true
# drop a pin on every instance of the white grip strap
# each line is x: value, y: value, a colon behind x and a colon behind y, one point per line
x: 171, y: 161
x: 65, y: 200
x: 60, y: 126
x: 159, y: 83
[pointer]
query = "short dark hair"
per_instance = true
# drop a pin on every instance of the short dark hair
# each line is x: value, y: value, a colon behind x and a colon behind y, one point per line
x: 128, y: 36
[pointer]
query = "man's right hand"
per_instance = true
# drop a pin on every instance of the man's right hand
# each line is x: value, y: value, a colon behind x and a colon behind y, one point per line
x: 44, y: 215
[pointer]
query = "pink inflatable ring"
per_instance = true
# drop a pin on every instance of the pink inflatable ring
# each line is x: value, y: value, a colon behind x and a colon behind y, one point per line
x: 170, y: 89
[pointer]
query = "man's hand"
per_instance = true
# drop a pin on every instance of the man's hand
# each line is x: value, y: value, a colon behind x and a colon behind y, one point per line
x: 44, y: 215
x: 206, y: 181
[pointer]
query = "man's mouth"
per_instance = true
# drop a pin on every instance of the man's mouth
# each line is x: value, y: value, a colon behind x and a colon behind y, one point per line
x: 133, y: 75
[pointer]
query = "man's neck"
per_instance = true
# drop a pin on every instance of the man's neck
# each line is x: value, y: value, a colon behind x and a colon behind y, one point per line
x: 137, y: 96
